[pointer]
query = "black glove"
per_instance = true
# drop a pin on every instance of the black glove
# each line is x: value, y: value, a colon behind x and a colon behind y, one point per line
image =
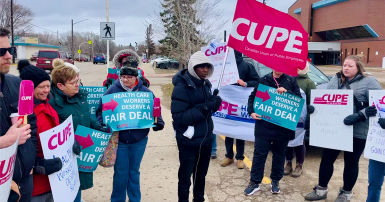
x: 210, y: 104
x: 218, y: 102
x: 207, y: 107
x: 48, y: 166
x: 354, y: 118
x: 158, y: 127
x: 76, y: 147
x: 310, y: 109
x: 381, y: 121
x: 108, y: 82
x: 370, y: 111
x: 307, y: 123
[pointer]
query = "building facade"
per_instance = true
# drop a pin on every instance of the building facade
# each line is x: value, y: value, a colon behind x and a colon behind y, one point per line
x: 358, y: 25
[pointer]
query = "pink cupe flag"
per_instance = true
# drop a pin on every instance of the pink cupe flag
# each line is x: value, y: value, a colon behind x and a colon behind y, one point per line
x: 26, y: 99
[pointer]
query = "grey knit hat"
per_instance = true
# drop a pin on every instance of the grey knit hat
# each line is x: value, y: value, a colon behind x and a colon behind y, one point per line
x: 196, y: 59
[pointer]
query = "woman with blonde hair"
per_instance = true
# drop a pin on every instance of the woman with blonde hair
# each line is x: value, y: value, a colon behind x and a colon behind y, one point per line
x: 351, y: 77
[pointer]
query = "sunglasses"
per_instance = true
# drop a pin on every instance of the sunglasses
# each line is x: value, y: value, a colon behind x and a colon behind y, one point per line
x: 3, y: 51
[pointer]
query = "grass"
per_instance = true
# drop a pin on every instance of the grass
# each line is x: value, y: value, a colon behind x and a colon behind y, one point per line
x: 165, y: 71
x: 382, y: 85
x: 166, y: 97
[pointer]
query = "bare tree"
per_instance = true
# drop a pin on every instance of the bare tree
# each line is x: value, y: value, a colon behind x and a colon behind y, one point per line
x: 149, y: 40
x: 22, y: 15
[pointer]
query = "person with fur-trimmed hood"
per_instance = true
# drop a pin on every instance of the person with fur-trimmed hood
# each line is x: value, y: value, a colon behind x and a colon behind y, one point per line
x: 192, y: 104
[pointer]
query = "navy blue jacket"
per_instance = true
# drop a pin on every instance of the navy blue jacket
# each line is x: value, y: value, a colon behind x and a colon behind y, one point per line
x: 133, y: 135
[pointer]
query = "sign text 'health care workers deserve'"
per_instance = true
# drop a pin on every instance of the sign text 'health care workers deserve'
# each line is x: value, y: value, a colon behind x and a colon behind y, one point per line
x: 95, y: 94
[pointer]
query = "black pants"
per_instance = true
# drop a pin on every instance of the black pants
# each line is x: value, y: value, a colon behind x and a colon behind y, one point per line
x: 26, y: 188
x: 351, y: 160
x: 261, y: 150
x: 240, y: 148
x: 196, y: 163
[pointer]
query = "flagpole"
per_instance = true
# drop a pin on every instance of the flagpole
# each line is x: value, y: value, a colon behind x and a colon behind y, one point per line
x: 216, y: 91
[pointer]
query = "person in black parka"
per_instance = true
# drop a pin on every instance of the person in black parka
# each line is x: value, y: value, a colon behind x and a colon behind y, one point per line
x: 192, y: 105
x: 270, y: 136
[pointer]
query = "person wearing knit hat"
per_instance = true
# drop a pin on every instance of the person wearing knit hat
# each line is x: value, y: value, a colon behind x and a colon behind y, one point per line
x: 192, y: 104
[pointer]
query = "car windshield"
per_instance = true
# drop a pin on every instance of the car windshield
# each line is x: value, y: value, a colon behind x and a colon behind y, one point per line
x: 50, y: 55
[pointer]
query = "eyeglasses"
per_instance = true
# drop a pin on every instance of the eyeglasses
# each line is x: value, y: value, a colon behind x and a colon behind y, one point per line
x: 75, y: 82
x: 4, y: 51
x: 127, y: 77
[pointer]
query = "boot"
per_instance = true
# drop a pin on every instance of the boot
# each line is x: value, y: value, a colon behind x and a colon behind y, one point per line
x: 240, y: 164
x: 298, y: 171
x: 319, y: 193
x: 344, y: 196
x: 227, y: 162
x: 288, y: 168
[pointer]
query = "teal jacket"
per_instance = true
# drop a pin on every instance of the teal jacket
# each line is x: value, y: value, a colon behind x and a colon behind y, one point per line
x: 77, y: 106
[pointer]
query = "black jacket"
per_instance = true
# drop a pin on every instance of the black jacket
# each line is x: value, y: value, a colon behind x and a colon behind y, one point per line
x: 267, y: 130
x: 26, y: 153
x: 246, y: 70
x: 188, y: 96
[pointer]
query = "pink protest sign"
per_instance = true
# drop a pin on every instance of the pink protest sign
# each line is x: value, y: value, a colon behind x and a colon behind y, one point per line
x: 157, y: 108
x: 26, y: 98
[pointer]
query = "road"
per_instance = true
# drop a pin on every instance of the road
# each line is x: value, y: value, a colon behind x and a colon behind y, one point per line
x: 160, y: 163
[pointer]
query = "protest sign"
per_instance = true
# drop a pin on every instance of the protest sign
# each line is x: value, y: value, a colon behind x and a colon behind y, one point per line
x: 113, y: 74
x: 232, y: 118
x: 375, y: 142
x: 281, y: 109
x: 128, y: 110
x: 217, y: 58
x: 269, y: 36
x: 58, y: 142
x: 327, y: 128
x: 93, y: 143
x: 7, y: 164
x: 95, y: 94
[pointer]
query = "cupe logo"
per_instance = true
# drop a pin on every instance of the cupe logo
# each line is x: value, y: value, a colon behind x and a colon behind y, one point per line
x: 332, y: 99
x: 26, y: 98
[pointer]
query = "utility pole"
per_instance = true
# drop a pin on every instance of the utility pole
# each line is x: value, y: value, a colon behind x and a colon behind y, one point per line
x: 225, y: 36
x: 13, y: 37
x: 72, y: 43
x: 57, y: 36
x: 108, y: 42
x: 92, y: 37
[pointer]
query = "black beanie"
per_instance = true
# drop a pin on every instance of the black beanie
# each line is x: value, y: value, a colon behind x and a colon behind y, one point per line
x: 128, y: 71
x: 33, y: 73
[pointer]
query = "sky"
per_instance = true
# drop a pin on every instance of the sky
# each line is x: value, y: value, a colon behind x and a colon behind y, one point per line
x: 130, y: 16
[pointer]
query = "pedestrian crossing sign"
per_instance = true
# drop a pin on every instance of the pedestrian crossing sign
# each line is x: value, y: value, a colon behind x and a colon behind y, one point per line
x: 107, y: 30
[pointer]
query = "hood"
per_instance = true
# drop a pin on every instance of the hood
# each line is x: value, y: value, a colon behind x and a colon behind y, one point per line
x: 122, y: 52
x: 196, y: 59
x: 140, y: 84
x: 238, y: 57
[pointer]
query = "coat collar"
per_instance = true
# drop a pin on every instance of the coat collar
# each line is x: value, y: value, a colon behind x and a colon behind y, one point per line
x: 61, y: 99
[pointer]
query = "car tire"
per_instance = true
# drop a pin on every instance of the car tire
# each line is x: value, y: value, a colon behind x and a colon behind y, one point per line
x: 163, y: 66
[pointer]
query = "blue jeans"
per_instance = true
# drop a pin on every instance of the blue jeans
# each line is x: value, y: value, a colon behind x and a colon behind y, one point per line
x: 214, y: 144
x: 126, y: 172
x: 376, y: 178
x: 78, y: 197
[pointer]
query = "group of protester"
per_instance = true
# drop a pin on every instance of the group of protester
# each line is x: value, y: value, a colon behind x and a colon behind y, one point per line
x: 55, y: 99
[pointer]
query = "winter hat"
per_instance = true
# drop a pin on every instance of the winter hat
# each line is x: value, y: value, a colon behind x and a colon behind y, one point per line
x: 304, y: 71
x: 33, y: 73
x: 57, y: 63
x: 128, y: 71
x: 196, y: 59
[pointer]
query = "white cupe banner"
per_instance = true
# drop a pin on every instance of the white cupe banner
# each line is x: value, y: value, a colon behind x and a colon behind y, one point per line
x: 232, y: 118
x: 58, y: 142
x: 7, y: 164
x: 327, y: 128
x: 217, y: 58
x: 375, y: 142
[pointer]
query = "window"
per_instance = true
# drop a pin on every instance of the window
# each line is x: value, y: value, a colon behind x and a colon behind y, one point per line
x: 368, y: 55
x: 356, y: 51
x: 49, y: 55
x: 356, y: 32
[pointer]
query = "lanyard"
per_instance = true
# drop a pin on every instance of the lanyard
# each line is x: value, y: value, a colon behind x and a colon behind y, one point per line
x: 276, y: 82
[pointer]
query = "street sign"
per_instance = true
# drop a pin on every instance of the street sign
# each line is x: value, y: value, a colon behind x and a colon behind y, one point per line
x: 107, y: 30
x: 79, y: 51
x: 136, y: 48
x: 90, y: 42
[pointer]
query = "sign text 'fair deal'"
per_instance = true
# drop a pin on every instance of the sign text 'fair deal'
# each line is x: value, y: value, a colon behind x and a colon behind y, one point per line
x: 281, y: 109
x: 327, y: 128
x: 128, y: 110
x: 375, y: 142
x: 93, y: 144
x: 58, y: 142
x: 95, y: 94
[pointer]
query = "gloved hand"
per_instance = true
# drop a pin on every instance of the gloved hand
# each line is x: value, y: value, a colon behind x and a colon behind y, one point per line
x: 158, y: 127
x: 218, y: 102
x: 108, y: 82
x: 210, y: 104
x: 370, y: 111
x: 307, y: 123
x: 354, y: 118
x: 207, y: 107
x: 381, y: 121
x: 310, y: 109
x: 48, y: 166
x: 76, y: 147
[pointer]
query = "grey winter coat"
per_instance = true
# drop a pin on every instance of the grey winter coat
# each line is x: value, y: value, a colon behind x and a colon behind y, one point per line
x: 360, y: 86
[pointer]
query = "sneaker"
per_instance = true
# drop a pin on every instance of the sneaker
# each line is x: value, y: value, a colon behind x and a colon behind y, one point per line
x: 288, y: 168
x: 82, y: 200
x: 251, y: 189
x: 344, y: 196
x: 240, y: 164
x: 319, y: 193
x: 227, y: 162
x: 275, y: 187
x: 213, y: 155
x: 298, y: 171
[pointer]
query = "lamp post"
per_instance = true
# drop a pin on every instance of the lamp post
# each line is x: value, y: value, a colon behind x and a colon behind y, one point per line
x: 13, y: 38
x: 72, y: 30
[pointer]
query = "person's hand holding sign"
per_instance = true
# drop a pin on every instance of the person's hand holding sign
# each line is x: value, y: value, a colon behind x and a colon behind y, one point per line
x: 242, y: 83
x: 281, y: 90
x: 256, y: 116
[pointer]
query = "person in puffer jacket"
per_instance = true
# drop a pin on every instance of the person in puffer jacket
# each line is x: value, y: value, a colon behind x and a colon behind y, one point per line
x: 352, y: 77
x: 192, y: 105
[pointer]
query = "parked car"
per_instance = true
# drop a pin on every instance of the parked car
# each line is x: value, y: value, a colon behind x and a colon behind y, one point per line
x: 144, y: 60
x: 82, y: 59
x: 100, y: 58
x: 34, y: 57
x: 157, y: 60
x: 45, y: 58
x: 168, y: 63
